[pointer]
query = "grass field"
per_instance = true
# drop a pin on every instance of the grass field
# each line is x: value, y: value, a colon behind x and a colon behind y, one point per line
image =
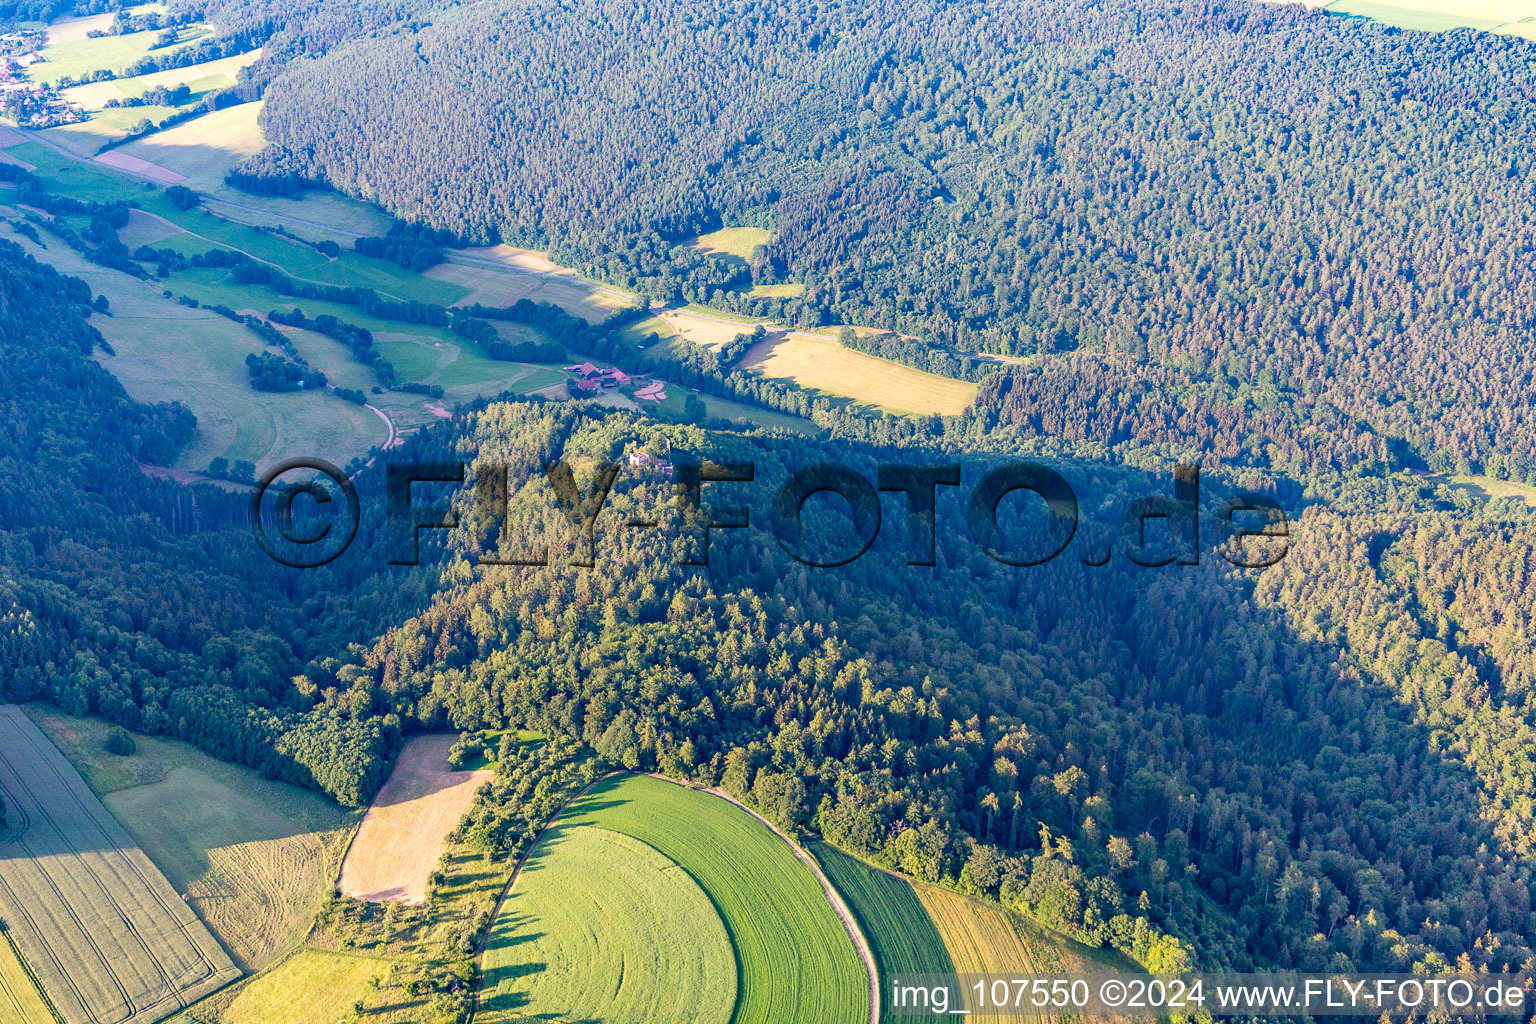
x: 406, y: 830
x: 310, y: 987
x: 1507, y: 16
x: 795, y: 960
x: 66, y: 30
x: 1487, y: 487
x: 214, y: 74
x: 778, y: 291
x: 200, y: 363
x: 87, y: 138
x: 712, y: 329
x: 76, y: 57
x: 738, y: 242
x: 462, y: 371
x: 599, y: 926
x: 251, y: 865
x: 106, y: 934
x: 255, y: 858
x: 500, y: 276
x: 900, y: 933
x: 824, y: 366
x: 20, y: 1000
x: 164, y: 352
x: 649, y: 331
x: 203, y: 150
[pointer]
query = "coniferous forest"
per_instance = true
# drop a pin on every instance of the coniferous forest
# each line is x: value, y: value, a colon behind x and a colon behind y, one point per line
x: 1314, y: 218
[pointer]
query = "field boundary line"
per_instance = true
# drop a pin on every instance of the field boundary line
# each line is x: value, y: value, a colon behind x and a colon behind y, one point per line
x: 845, y: 914
x: 506, y: 890
x: 26, y: 968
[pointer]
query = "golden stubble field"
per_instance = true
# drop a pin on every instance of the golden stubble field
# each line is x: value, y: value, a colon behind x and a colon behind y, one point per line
x: 405, y: 831
x: 824, y: 365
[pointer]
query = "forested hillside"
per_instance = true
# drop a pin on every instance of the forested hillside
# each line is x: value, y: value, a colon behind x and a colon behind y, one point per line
x: 1184, y: 764
x: 1307, y: 213
x: 131, y: 597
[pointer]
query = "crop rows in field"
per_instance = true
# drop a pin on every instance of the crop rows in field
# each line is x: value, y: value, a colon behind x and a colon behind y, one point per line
x: 20, y: 1000
x: 795, y: 960
x: 899, y: 930
x: 601, y: 926
x: 922, y: 929
x: 108, y: 938
x: 982, y: 938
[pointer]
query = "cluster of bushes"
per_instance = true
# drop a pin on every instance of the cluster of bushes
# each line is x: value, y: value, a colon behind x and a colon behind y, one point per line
x: 119, y: 742
x: 269, y: 372
x: 532, y: 783
x: 325, y: 748
x: 412, y: 246
x: 159, y: 96
x: 358, y: 339
x: 921, y: 354
x: 732, y: 351
x: 413, y: 387
x: 478, y: 745
x: 240, y: 471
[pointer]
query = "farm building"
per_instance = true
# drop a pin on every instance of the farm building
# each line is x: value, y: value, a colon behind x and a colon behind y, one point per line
x: 588, y: 385
x: 584, y: 370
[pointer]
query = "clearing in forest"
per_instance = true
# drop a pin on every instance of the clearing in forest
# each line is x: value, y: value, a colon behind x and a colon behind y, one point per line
x: 106, y: 935
x: 600, y: 926
x: 824, y: 365
x: 405, y: 832
x: 796, y: 960
x: 738, y: 242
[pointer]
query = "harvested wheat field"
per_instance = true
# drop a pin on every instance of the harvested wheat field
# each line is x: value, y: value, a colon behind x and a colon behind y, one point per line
x: 824, y: 365
x: 406, y: 830
x: 108, y: 938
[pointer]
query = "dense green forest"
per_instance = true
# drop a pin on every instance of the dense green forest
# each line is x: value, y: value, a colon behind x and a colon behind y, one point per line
x: 1319, y: 216
x: 1194, y: 765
